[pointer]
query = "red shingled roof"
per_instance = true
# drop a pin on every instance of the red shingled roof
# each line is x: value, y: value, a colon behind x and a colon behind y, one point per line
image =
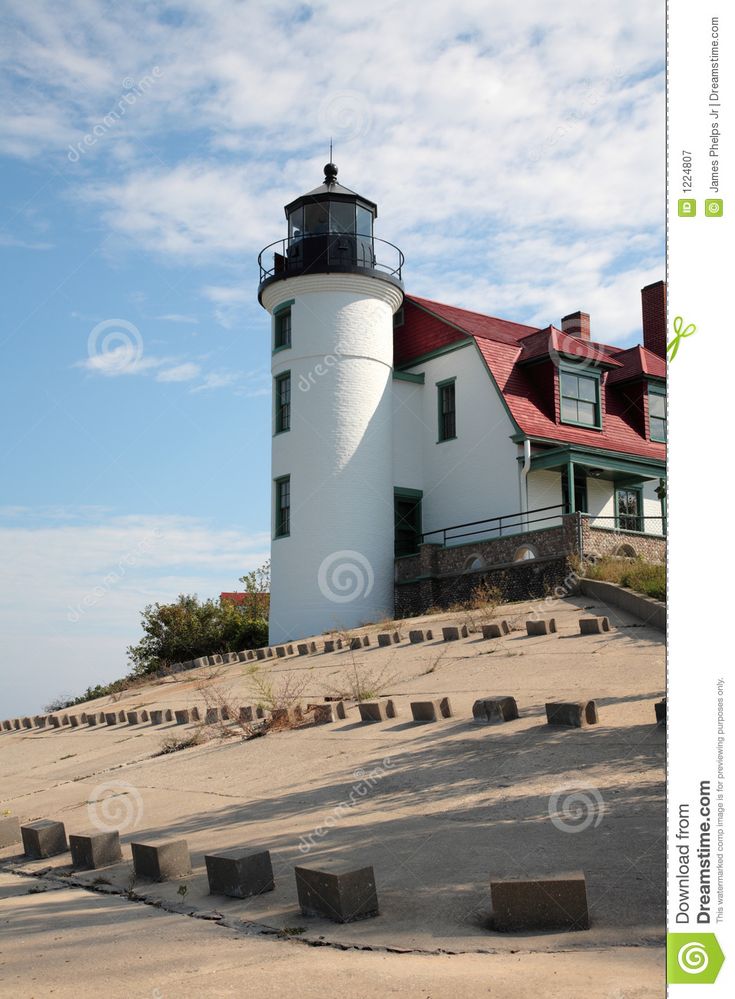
x: 507, y: 346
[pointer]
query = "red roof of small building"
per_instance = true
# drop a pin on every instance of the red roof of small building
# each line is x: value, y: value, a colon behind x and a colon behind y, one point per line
x: 507, y: 349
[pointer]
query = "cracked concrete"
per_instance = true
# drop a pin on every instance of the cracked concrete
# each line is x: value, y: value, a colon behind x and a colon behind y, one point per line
x: 447, y: 806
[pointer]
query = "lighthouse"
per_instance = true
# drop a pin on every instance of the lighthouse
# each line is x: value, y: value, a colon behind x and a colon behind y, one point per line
x: 331, y: 288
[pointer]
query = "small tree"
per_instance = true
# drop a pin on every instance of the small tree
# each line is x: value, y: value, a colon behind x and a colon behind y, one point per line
x: 257, y: 585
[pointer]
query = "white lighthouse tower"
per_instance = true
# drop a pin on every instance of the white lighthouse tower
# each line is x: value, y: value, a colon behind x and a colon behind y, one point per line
x: 331, y: 288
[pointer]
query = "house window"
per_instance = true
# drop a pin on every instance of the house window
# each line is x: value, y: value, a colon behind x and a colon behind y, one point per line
x: 283, y: 506
x: 282, y: 336
x: 657, y: 412
x: 447, y: 412
x: 580, y: 399
x: 283, y: 402
x: 629, y: 509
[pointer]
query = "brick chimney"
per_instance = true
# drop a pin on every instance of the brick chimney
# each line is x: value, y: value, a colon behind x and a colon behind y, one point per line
x: 577, y: 324
x: 653, y: 301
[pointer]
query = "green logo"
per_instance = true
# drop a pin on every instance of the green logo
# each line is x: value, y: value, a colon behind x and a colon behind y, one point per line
x: 692, y: 958
x: 687, y: 207
x: 713, y: 207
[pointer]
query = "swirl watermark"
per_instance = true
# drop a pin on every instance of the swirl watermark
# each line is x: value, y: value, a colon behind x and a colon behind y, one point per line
x: 575, y: 807
x: 364, y: 784
x: 346, y: 115
x: 573, y: 353
x: 693, y: 958
x: 345, y: 576
x: 115, y: 806
x: 115, y: 346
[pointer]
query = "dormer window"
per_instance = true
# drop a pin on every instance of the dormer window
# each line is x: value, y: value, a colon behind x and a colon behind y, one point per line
x: 579, y: 398
x: 657, y: 412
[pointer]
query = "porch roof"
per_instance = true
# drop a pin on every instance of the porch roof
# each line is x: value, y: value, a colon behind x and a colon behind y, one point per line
x: 606, y: 465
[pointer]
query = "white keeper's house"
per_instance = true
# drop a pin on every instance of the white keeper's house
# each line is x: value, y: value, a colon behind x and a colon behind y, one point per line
x: 421, y: 449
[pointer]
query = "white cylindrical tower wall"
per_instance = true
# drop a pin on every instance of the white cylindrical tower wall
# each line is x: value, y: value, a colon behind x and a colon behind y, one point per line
x: 335, y: 568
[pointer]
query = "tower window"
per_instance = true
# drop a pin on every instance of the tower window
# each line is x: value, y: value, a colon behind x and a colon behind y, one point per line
x: 447, y: 412
x: 283, y: 506
x: 657, y: 412
x: 580, y: 399
x: 282, y: 396
x: 282, y: 321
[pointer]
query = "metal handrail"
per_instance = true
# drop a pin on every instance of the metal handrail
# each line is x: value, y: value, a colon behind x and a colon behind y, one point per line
x: 361, y: 258
x: 523, y: 520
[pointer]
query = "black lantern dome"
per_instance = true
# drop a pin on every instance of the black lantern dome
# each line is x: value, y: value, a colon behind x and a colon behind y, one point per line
x: 330, y: 229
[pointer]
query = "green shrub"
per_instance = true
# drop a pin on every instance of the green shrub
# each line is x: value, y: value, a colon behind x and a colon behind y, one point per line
x: 648, y: 578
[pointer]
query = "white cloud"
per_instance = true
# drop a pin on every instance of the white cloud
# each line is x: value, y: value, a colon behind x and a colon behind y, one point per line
x: 72, y: 588
x: 174, y: 317
x: 179, y: 373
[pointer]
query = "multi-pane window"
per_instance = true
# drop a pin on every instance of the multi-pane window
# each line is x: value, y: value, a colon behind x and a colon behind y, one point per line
x: 657, y: 412
x: 282, y: 337
x: 447, y: 411
x: 580, y: 399
x: 629, y: 509
x: 283, y: 402
x: 283, y: 506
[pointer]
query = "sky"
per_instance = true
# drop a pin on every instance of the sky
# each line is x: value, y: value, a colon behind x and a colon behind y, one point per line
x: 516, y: 153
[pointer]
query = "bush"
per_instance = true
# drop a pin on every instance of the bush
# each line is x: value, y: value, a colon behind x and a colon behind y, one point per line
x: 190, y: 628
x: 648, y: 578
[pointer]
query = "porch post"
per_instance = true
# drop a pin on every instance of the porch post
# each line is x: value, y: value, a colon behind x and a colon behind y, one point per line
x: 570, y: 486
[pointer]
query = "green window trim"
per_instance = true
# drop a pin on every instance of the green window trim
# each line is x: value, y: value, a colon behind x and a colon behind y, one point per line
x: 282, y: 401
x: 577, y: 396
x: 657, y: 423
x: 282, y: 504
x: 622, y: 519
x: 446, y: 408
x: 282, y: 327
x: 283, y: 305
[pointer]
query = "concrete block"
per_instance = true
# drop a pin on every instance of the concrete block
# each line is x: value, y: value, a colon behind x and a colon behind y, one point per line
x: 487, y: 710
x: 281, y: 651
x: 144, y: 716
x: 660, y: 708
x: 543, y: 627
x: 415, y: 637
x: 74, y: 721
x: 40, y: 721
x: 16, y: 723
x: 168, y: 715
x: 44, y: 838
x: 303, y: 649
x: 156, y: 717
x: 245, y: 714
x: 260, y: 653
x: 182, y: 716
x: 430, y: 711
x: 453, y: 634
x: 355, y: 643
x: 83, y: 718
x: 99, y: 849
x: 7, y: 726
x: 54, y: 721
x: 65, y: 719
x: 111, y: 717
x: 195, y: 716
x: 161, y: 861
x: 121, y: 716
x: 289, y: 649
x: 388, y: 638
x: 338, y: 893
x: 212, y: 716
x: 269, y: 653
x: 133, y: 718
x: 593, y: 625
x: 239, y: 873
x: 366, y: 640
x: 329, y: 645
x: 92, y: 719
x: 576, y: 714
x: 496, y: 629
x: 557, y: 902
x: 376, y: 711
x: 26, y: 723
x: 9, y: 830
x: 322, y: 714
x: 292, y: 715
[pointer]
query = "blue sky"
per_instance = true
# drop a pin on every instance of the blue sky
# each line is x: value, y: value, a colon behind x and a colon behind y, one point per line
x: 516, y: 153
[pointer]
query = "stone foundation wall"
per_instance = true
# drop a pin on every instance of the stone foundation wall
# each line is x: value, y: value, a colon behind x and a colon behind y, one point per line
x: 439, y: 577
x: 603, y: 541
